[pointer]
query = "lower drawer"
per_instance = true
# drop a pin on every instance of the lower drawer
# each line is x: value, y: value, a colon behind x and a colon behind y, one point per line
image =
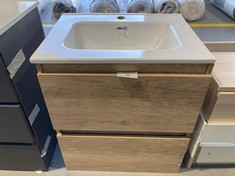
x: 216, y: 153
x: 14, y: 127
x: 21, y: 157
x: 122, y: 153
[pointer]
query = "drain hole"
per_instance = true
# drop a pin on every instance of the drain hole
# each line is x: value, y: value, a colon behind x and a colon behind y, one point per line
x: 121, y: 17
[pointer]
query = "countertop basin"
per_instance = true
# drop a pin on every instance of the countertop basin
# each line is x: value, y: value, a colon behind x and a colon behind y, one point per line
x: 122, y: 38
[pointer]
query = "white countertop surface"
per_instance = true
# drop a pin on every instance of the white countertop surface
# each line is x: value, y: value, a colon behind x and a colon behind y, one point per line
x: 53, y: 51
x: 11, y: 12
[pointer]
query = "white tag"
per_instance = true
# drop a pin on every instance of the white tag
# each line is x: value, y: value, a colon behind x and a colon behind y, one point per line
x: 133, y: 75
x: 38, y: 172
x: 16, y: 63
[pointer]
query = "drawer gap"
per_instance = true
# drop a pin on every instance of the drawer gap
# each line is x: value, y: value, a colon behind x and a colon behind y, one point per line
x: 13, y: 143
x: 124, y: 133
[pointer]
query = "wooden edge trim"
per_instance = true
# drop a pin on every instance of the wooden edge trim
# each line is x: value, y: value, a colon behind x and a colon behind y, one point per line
x: 115, y: 75
x: 59, y: 134
x: 209, y: 69
x: 39, y: 68
x: 212, y: 105
x: 121, y: 136
x: 225, y: 93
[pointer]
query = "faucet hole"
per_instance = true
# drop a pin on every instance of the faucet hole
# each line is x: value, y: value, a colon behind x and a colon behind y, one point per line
x: 121, y: 17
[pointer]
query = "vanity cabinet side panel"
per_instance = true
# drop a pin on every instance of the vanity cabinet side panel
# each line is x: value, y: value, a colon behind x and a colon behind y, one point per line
x: 104, y: 102
x: 210, y: 100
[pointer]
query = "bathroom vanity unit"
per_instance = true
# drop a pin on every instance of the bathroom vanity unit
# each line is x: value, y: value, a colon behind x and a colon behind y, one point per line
x: 213, y: 140
x: 123, y: 91
x: 27, y: 138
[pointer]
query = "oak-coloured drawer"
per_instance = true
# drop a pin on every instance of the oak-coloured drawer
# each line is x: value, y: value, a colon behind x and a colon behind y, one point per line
x: 122, y: 153
x: 14, y: 127
x: 224, y: 109
x: 216, y: 153
x: 105, y: 102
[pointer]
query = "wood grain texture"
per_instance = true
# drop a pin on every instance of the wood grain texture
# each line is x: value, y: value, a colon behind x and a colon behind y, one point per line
x: 119, y: 153
x: 113, y: 68
x: 224, y: 71
x: 210, y: 100
x: 103, y: 102
x: 219, y: 104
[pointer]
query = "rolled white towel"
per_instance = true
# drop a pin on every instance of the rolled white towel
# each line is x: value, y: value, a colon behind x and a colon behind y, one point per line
x: 192, y: 10
x: 139, y: 6
x: 43, y: 4
x: 165, y: 6
x: 227, y: 6
x: 104, y: 6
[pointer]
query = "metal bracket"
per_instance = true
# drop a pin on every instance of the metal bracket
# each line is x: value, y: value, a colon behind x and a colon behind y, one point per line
x: 34, y: 114
x: 46, y: 145
x: 16, y: 63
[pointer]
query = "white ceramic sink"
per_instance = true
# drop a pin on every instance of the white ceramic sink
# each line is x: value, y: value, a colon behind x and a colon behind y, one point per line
x: 122, y: 38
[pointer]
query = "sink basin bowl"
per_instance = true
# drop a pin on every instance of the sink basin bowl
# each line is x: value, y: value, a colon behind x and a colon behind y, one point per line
x: 122, y: 38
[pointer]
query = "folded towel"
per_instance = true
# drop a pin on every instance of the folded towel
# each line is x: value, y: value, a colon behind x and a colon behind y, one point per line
x: 227, y: 6
x: 140, y: 6
x: 165, y: 6
x: 192, y: 10
x: 104, y: 6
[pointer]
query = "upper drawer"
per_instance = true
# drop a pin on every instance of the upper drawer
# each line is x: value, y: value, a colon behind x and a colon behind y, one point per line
x: 14, y: 127
x: 224, y: 109
x: 105, y: 102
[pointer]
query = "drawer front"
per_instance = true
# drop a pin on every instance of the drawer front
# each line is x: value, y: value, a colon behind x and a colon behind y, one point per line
x: 119, y: 153
x: 224, y: 110
x: 21, y: 157
x: 205, y: 132
x: 218, y: 133
x: 7, y: 91
x: 104, y: 102
x: 216, y: 153
x: 13, y: 125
